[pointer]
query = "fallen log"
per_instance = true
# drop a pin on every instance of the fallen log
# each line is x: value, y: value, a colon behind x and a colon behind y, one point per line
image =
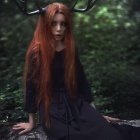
x: 37, y: 133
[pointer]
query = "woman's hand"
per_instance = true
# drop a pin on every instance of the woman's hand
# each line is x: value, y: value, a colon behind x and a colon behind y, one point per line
x: 111, y: 120
x: 23, y: 127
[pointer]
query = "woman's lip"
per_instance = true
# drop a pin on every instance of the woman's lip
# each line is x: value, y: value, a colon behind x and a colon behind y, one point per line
x: 58, y: 35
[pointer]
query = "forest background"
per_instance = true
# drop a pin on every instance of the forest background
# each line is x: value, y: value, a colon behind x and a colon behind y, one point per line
x: 108, y: 41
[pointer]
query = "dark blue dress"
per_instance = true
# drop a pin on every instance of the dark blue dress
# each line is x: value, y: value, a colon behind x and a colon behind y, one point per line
x: 71, y: 120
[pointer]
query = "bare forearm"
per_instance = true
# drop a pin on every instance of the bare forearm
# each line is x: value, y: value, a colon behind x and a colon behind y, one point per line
x: 32, y: 119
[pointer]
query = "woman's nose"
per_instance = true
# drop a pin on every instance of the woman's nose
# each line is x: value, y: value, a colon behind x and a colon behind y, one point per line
x: 58, y: 27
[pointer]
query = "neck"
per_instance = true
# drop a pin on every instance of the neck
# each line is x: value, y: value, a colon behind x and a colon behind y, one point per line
x: 59, y: 46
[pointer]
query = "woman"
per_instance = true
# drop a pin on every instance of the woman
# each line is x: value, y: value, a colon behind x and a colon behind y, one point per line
x: 56, y: 86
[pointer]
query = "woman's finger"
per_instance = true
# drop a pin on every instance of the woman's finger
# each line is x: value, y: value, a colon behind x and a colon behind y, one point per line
x: 18, y: 127
x: 114, y: 119
x: 23, y: 131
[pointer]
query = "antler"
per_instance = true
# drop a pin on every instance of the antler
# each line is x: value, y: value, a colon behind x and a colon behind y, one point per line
x: 90, y: 4
x: 22, y: 5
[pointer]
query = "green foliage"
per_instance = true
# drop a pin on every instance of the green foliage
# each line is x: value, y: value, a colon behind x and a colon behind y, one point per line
x: 11, y: 105
x: 110, y: 49
x: 14, y: 41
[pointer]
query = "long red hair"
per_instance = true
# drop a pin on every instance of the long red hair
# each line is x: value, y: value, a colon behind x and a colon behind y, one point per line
x: 41, y: 52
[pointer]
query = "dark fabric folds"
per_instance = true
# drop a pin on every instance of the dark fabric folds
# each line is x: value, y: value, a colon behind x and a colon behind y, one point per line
x: 71, y: 119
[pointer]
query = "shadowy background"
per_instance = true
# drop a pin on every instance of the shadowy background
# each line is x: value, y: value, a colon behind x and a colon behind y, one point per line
x: 108, y: 41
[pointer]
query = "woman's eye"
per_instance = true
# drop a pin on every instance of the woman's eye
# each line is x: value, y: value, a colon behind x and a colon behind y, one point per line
x: 53, y: 23
x: 63, y: 24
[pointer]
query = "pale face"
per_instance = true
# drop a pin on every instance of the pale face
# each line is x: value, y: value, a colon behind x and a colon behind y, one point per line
x: 58, y: 27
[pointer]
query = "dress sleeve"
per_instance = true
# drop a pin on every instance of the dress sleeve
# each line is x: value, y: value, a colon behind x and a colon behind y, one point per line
x: 83, y: 84
x: 30, y: 104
